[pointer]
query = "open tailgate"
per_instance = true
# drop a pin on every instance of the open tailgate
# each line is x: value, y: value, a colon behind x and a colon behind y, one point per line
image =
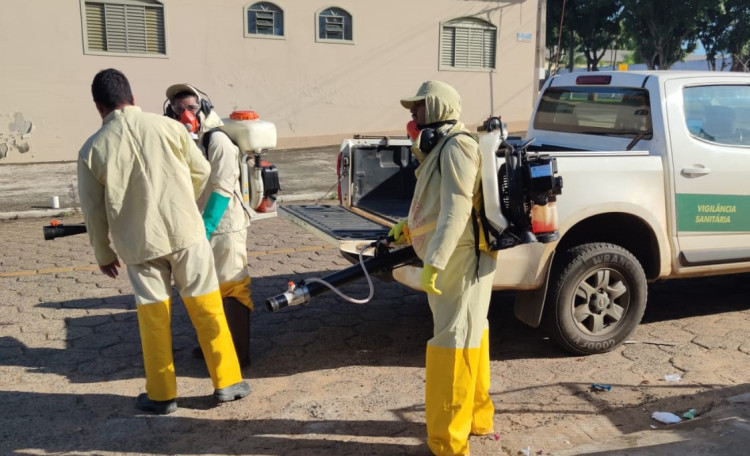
x: 335, y: 224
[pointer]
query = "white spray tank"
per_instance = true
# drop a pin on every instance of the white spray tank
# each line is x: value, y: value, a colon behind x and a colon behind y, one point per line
x: 489, y: 143
x: 252, y: 135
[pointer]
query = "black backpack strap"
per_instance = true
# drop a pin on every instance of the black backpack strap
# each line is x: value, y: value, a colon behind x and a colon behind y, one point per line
x: 475, y: 224
x: 206, y: 139
x: 490, y: 232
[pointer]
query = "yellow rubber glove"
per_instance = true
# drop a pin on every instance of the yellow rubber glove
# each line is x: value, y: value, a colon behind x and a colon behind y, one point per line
x: 397, y: 232
x: 427, y: 281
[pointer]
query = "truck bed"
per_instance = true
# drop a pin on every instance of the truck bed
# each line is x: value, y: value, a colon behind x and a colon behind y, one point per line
x: 383, y: 180
x: 394, y: 209
x: 379, y: 183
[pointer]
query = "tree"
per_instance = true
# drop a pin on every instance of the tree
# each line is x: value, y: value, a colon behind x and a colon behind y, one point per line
x: 597, y: 24
x: 622, y: 41
x: 557, y: 37
x: 738, y: 39
x: 713, y: 25
x: 724, y: 28
x: 664, y: 31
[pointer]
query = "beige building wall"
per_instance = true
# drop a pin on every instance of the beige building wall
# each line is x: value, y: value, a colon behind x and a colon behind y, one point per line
x: 316, y: 93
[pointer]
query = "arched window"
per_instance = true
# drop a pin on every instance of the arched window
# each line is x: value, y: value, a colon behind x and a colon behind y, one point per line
x: 264, y: 19
x: 467, y: 43
x: 334, y: 24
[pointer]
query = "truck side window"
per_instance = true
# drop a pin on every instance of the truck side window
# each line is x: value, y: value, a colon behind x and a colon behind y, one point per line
x: 719, y: 114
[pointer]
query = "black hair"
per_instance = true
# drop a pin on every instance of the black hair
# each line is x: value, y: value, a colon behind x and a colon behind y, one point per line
x: 111, y: 89
x: 184, y: 94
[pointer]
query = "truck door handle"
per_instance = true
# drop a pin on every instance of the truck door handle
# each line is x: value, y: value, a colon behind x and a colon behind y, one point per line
x: 697, y: 171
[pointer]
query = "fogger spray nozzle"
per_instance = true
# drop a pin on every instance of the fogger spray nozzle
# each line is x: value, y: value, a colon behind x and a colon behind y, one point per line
x: 56, y: 230
x: 296, y: 295
x: 277, y: 303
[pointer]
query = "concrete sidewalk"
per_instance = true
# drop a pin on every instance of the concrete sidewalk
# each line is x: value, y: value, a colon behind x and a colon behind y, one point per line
x: 26, y: 189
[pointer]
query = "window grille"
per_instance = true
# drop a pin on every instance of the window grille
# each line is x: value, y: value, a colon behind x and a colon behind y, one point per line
x: 335, y: 24
x: 125, y: 27
x: 265, y: 18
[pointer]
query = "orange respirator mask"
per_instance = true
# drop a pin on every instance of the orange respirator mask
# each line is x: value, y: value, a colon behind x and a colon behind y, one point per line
x: 412, y: 130
x: 188, y: 119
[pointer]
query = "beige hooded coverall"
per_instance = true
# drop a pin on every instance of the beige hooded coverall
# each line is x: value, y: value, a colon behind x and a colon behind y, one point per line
x: 138, y: 177
x: 229, y: 240
x: 457, y: 400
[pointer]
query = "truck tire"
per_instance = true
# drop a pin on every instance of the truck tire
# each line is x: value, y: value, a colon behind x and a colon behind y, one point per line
x: 596, y: 298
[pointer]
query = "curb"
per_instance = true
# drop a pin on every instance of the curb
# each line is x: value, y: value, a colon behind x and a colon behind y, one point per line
x: 39, y: 213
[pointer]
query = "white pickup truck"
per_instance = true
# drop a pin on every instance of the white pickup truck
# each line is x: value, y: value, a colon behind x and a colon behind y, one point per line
x: 656, y: 169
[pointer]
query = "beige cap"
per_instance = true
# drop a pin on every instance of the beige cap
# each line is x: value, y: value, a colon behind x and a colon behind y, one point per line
x: 178, y: 88
x: 434, y: 88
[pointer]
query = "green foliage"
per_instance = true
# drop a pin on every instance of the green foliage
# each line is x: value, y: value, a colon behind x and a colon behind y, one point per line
x: 597, y: 23
x: 659, y: 32
x: 738, y: 33
x: 557, y: 39
x: 664, y: 31
x: 712, y: 25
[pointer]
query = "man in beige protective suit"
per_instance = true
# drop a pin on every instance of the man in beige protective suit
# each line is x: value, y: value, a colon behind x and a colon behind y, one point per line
x: 457, y: 272
x: 225, y: 218
x: 138, y: 177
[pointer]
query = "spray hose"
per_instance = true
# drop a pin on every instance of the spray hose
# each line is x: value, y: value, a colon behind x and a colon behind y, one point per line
x: 364, y: 270
x: 383, y: 260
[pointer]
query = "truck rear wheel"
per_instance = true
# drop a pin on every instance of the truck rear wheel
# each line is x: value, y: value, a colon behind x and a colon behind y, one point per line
x: 596, y: 298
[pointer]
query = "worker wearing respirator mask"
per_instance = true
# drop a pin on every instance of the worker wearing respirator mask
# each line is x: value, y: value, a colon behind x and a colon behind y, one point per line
x: 221, y: 205
x: 456, y: 276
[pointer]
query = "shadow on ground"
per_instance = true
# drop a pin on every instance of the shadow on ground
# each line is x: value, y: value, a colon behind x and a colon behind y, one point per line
x: 326, y: 334
x: 126, y: 430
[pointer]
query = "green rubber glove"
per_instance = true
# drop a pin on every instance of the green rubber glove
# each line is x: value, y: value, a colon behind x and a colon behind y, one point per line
x: 213, y: 211
x: 427, y: 281
x: 397, y: 232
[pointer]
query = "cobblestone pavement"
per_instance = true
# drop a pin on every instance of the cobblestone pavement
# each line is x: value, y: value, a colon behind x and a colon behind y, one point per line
x: 333, y: 378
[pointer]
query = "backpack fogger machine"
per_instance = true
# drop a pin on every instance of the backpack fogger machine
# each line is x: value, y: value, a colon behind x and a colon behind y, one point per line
x: 259, y: 180
x: 519, y: 189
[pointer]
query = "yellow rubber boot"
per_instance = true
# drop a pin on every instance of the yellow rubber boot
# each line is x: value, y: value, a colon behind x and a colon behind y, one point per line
x: 156, y: 342
x: 484, y: 411
x: 207, y: 314
x: 449, y: 398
